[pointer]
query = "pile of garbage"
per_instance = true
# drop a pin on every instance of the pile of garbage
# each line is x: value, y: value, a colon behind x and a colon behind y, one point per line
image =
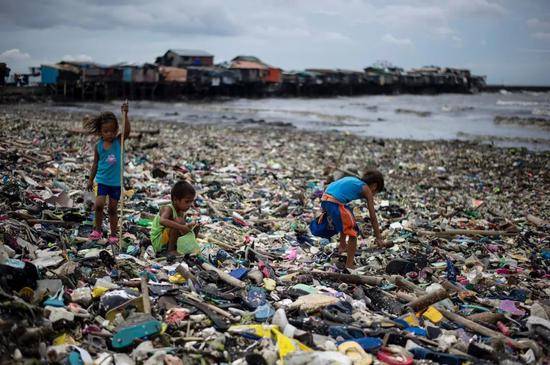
x: 466, y: 280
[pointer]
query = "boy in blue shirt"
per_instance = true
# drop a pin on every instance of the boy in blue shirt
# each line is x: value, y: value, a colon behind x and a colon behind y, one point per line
x: 339, y: 216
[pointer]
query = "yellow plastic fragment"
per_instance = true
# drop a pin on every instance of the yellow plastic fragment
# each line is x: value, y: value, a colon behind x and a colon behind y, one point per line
x: 411, y: 320
x: 288, y: 345
x: 64, y: 339
x: 433, y: 315
x: 269, y: 284
x: 99, y: 291
x: 176, y: 279
x: 259, y: 330
x: 289, y: 277
x: 285, y: 344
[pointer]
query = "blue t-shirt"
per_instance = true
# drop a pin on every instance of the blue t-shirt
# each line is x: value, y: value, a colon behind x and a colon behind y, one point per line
x: 346, y: 189
x: 108, y: 167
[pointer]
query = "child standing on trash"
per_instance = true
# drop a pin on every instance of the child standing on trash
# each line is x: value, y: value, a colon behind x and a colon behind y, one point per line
x: 106, y: 168
x: 337, y: 216
x: 170, y: 224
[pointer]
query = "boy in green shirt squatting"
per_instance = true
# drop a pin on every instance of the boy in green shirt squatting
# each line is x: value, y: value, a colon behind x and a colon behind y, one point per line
x: 169, y: 224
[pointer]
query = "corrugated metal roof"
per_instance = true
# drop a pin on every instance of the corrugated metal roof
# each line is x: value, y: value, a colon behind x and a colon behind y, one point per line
x: 64, y: 67
x: 253, y: 59
x: 191, y: 52
x: 247, y: 58
x: 248, y: 65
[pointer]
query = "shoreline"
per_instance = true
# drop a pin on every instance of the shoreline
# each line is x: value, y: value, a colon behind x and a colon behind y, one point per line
x: 365, y: 126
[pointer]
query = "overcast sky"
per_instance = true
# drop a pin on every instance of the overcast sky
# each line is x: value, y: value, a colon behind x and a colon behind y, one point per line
x: 507, y: 40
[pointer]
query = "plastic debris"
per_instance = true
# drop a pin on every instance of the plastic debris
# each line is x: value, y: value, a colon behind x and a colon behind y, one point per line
x: 464, y: 282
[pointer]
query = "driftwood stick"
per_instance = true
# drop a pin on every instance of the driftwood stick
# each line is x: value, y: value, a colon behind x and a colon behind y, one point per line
x: 401, y: 295
x: 471, y: 325
x: 403, y: 283
x: 145, y: 294
x: 423, y: 302
x: 467, y: 232
x: 217, y: 242
x: 450, y: 286
x: 214, y: 308
x: 185, y: 272
x: 224, y: 276
x: 49, y: 221
x: 487, y: 317
x: 347, y: 278
x: 537, y: 221
x: 476, y: 327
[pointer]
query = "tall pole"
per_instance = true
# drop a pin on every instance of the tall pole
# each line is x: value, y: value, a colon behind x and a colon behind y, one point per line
x: 121, y: 214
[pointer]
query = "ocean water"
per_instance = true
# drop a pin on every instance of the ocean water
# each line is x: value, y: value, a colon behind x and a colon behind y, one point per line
x: 417, y: 117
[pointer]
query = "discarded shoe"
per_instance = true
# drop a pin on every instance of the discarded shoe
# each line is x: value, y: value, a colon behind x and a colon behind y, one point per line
x: 95, y: 235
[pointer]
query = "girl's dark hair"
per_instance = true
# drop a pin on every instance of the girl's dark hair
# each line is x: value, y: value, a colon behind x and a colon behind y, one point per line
x: 92, y: 125
x: 182, y: 189
x: 374, y: 177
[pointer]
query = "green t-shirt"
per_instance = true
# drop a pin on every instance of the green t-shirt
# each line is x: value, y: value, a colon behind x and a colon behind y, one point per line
x: 157, y: 229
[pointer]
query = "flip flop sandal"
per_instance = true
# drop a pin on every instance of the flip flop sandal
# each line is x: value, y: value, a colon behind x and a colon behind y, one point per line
x: 113, y: 240
x: 368, y: 343
x: 217, y: 320
x: 95, y: 235
x: 74, y: 217
x: 335, y: 315
x: 393, y: 355
x: 356, y: 353
x: 54, y: 215
x: 311, y: 324
x: 345, y: 332
x: 342, y: 306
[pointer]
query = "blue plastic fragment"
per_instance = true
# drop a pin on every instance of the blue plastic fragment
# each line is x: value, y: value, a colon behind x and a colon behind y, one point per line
x: 126, y: 336
x: 56, y: 300
x: 401, y: 322
x: 239, y: 273
x: 75, y: 358
x: 367, y: 343
x: 452, y: 271
x: 417, y: 331
x: 345, y: 332
x: 255, y: 297
x: 264, y: 312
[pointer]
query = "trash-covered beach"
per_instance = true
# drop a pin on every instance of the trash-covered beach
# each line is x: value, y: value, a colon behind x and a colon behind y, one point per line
x: 466, y: 280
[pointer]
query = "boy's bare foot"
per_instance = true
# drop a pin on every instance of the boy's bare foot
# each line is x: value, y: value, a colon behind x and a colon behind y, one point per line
x: 350, y: 262
x: 385, y: 245
x: 350, y: 266
x: 172, y: 253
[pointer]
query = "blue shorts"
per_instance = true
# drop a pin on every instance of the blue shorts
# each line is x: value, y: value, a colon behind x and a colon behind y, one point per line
x: 335, y: 218
x: 112, y: 191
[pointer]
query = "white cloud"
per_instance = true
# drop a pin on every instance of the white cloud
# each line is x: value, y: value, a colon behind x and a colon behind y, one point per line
x: 334, y: 36
x: 77, y: 58
x: 163, y: 16
x: 535, y: 23
x: 402, y: 42
x: 476, y: 8
x: 14, y: 55
x: 543, y: 36
x: 534, y: 50
x: 457, y: 40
